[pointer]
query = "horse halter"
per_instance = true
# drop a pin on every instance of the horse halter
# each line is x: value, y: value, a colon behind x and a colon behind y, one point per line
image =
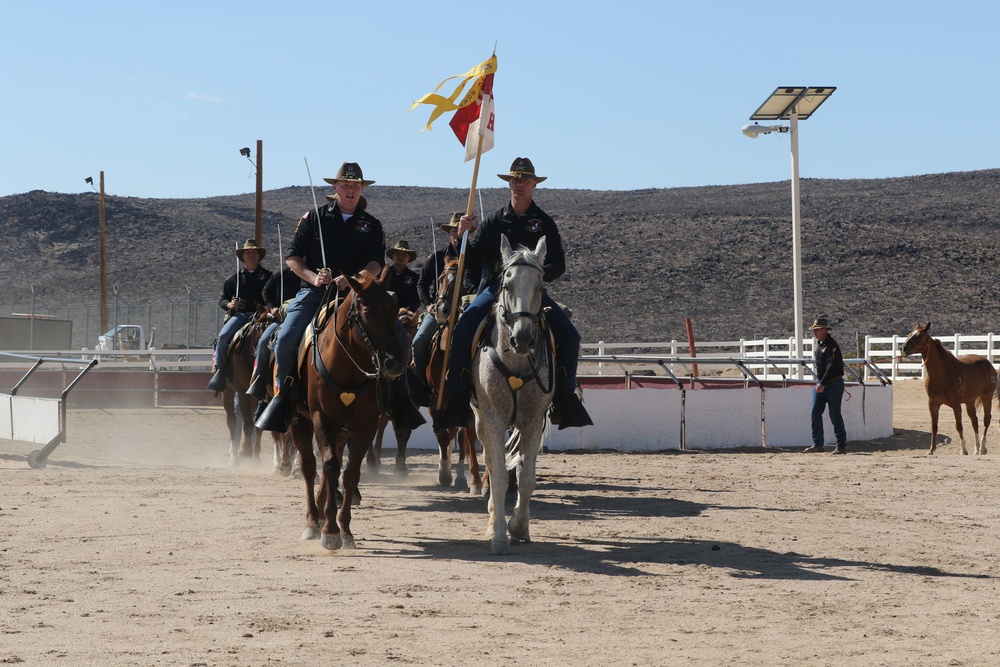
x: 508, y: 316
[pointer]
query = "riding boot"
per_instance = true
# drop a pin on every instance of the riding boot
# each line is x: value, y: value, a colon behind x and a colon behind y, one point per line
x: 278, y: 413
x: 258, y: 387
x: 458, y: 411
x: 219, y: 381
x: 567, y: 408
x: 405, y: 414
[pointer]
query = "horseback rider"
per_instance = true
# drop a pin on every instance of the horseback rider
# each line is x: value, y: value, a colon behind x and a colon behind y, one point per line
x: 350, y: 239
x: 427, y: 289
x: 279, y: 290
x: 524, y: 223
x: 241, y: 298
x: 402, y: 279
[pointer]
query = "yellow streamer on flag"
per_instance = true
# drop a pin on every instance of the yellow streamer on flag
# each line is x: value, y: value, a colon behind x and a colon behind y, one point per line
x: 443, y: 105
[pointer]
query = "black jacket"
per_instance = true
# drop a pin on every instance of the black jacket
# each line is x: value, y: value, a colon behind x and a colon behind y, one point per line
x: 350, y: 244
x: 404, y: 285
x: 829, y: 361
x: 250, y: 289
x: 521, y: 230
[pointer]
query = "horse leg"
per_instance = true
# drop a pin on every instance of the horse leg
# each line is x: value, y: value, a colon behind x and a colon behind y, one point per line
x: 987, y: 400
x: 249, y: 430
x: 331, y: 441
x: 444, y: 459
x: 970, y: 409
x: 530, y: 442
x: 283, y: 447
x: 496, y: 528
x: 934, y: 408
x: 357, y: 447
x: 301, y: 434
x: 234, y: 439
x: 402, y: 438
x: 461, y: 482
x: 957, y: 409
x: 468, y: 438
x: 375, y: 453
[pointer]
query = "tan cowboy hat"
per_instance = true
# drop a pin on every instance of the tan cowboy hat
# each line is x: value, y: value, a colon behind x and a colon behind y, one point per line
x: 456, y: 217
x: 251, y: 245
x: 522, y: 168
x: 349, y: 171
x: 401, y: 246
x: 822, y: 322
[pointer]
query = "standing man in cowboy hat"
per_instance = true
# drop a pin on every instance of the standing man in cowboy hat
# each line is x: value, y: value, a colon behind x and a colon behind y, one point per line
x: 829, y: 390
x: 242, y: 296
x: 427, y: 289
x: 403, y: 280
x: 524, y: 223
x: 353, y: 240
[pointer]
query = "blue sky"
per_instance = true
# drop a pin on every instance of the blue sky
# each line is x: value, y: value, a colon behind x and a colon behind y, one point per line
x: 162, y: 95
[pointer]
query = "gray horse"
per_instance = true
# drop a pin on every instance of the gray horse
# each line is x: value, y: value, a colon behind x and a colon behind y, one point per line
x: 512, y: 380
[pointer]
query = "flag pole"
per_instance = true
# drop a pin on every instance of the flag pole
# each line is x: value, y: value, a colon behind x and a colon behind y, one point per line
x: 457, y: 296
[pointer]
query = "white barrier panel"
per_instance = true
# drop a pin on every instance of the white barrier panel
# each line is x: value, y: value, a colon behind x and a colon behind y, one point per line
x: 649, y: 419
x: 30, y: 419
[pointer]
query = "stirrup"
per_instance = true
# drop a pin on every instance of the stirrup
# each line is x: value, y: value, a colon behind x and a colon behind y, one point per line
x: 218, y: 382
x: 258, y: 388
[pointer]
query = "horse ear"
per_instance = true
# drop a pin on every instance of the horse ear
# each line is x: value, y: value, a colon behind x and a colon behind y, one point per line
x: 541, y: 248
x: 505, y: 249
x: 354, y: 283
x: 928, y: 327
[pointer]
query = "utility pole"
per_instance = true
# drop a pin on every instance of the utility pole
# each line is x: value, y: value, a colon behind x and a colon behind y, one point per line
x: 259, y: 205
x: 104, y: 267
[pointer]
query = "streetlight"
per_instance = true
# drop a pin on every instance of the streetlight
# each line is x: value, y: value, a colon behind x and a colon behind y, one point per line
x: 791, y: 103
x: 259, y: 202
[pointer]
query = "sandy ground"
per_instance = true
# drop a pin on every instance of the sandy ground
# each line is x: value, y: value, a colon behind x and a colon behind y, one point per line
x: 139, y: 545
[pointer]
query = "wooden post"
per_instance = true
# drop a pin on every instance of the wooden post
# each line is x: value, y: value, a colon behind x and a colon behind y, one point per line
x: 690, y: 333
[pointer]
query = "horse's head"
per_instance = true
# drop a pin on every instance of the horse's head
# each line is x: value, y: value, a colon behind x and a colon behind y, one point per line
x: 916, y: 340
x: 520, y: 298
x: 445, y: 284
x: 376, y: 318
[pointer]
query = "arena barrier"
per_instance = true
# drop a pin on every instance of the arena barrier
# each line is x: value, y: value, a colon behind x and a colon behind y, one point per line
x: 37, y: 419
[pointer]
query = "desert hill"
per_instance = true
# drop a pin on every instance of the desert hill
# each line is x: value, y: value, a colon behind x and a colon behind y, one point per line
x: 877, y: 255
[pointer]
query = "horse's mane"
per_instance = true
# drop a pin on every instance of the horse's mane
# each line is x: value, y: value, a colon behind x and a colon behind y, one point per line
x: 522, y: 255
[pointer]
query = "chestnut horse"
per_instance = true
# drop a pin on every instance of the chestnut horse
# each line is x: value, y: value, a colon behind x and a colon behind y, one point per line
x: 969, y: 379
x: 410, y: 321
x: 241, y: 358
x: 346, y: 369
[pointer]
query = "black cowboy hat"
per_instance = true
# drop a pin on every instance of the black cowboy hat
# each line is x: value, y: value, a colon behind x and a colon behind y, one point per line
x: 401, y: 246
x: 453, y: 223
x: 522, y: 168
x: 349, y: 171
x: 251, y: 245
x: 822, y: 322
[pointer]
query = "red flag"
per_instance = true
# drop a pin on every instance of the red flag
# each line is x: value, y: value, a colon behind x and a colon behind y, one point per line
x: 475, y: 120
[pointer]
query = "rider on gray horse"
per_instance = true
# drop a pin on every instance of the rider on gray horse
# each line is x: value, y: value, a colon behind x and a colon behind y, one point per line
x: 524, y: 223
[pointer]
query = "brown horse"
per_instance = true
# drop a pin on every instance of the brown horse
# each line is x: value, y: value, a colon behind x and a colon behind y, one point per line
x: 241, y: 358
x: 346, y: 370
x: 969, y: 379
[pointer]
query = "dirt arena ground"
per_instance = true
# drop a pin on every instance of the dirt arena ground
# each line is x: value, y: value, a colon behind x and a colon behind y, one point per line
x: 138, y: 544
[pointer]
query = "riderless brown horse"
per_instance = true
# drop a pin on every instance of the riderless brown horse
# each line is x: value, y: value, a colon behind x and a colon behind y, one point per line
x: 969, y: 379
x: 346, y: 369
x: 240, y: 362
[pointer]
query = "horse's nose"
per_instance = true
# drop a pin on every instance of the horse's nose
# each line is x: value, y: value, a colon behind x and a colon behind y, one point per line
x: 521, y: 344
x: 394, y: 365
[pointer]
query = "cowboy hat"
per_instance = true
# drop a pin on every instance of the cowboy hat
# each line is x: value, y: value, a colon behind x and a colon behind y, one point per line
x: 349, y: 171
x: 822, y: 322
x: 401, y: 246
x: 522, y: 168
x: 251, y: 245
x: 453, y: 223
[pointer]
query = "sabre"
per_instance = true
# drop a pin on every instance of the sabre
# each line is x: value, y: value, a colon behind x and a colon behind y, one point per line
x: 482, y: 216
x: 237, y: 274
x: 322, y: 246
x: 281, y: 281
x: 434, y: 244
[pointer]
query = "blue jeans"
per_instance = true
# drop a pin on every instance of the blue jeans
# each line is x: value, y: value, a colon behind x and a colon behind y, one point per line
x: 565, y: 334
x: 422, y: 345
x: 298, y: 314
x: 831, y: 397
x: 226, y: 336
x: 261, y: 353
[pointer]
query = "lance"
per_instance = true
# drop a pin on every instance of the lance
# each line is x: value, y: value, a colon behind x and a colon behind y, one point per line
x: 457, y: 297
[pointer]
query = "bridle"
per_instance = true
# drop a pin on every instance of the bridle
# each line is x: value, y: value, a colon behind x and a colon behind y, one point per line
x: 508, y: 316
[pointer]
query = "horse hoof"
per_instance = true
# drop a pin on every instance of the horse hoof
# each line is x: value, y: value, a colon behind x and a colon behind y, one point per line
x: 476, y: 490
x: 310, y: 533
x: 349, y: 543
x: 444, y: 477
x: 331, y: 541
x: 403, y: 472
x: 501, y: 548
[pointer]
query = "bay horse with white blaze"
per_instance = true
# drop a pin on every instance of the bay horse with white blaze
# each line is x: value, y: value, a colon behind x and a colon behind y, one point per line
x: 512, y: 381
x: 346, y: 369
x: 969, y: 380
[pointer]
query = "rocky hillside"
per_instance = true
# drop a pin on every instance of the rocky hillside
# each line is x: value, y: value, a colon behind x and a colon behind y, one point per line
x: 878, y: 255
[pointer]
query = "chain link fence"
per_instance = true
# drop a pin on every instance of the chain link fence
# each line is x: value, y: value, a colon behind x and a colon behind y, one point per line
x: 186, y: 321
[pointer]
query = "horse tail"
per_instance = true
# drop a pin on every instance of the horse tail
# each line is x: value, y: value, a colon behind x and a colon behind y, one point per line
x: 513, y: 449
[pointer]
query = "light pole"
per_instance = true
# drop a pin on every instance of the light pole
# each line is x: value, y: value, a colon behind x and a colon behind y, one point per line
x: 791, y: 103
x: 259, y: 200
x: 104, y: 270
